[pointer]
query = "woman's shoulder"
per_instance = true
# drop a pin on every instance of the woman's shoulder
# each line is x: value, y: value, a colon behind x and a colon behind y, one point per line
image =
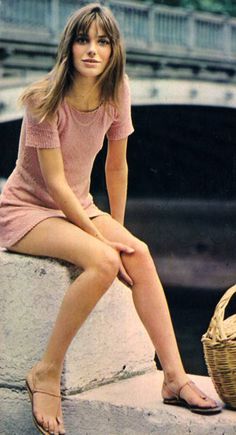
x: 125, y: 84
x: 124, y: 93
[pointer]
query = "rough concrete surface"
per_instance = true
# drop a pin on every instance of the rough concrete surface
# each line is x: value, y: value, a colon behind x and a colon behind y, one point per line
x: 134, y: 407
x: 112, y: 343
x: 127, y: 407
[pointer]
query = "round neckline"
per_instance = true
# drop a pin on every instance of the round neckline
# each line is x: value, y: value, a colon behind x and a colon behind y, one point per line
x: 84, y: 119
x: 82, y: 112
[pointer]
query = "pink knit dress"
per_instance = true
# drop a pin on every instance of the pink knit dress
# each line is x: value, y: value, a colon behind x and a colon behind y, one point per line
x: 25, y: 200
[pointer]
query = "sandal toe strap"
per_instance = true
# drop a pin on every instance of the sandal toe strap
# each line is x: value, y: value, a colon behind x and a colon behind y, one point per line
x: 194, y: 387
x: 46, y: 392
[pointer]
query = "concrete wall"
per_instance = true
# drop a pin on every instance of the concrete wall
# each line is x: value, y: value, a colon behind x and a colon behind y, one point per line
x: 111, y: 345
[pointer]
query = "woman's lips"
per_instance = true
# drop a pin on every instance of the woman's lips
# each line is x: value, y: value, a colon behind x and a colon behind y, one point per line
x: 90, y: 61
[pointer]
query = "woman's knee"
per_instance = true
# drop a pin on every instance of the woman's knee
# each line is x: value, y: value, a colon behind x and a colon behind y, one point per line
x: 106, y: 263
x: 141, y: 249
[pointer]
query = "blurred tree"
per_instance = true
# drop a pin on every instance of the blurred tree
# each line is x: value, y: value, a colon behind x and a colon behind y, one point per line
x: 214, y: 6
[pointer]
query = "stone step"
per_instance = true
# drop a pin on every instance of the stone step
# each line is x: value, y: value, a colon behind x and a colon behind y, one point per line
x: 134, y: 407
x: 128, y: 407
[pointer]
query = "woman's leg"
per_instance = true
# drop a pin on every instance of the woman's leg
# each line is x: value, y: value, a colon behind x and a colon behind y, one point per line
x: 151, y: 305
x: 56, y: 237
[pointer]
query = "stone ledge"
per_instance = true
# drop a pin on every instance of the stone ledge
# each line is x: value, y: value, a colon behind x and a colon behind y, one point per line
x: 134, y: 407
x: 112, y: 344
x: 128, y: 407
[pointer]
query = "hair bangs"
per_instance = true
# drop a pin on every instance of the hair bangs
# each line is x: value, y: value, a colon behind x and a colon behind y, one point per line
x: 107, y: 25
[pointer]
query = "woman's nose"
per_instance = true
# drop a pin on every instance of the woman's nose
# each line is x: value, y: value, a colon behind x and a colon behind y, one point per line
x: 92, y: 49
x: 91, y: 52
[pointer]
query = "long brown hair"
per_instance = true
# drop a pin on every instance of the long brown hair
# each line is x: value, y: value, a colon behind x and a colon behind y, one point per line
x: 48, y: 93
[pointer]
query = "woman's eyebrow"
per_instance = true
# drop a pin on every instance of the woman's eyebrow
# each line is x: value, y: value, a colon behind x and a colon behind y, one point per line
x: 87, y: 34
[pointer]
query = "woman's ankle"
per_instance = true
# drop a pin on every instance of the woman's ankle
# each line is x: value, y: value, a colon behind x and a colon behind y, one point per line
x: 174, y: 377
x: 47, y: 371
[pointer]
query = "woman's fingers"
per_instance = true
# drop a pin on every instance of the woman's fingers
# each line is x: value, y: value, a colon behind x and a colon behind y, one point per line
x: 126, y: 249
x: 124, y: 275
x: 120, y: 247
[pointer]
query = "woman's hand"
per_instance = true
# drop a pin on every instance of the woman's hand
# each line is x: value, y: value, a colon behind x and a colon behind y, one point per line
x: 121, y: 249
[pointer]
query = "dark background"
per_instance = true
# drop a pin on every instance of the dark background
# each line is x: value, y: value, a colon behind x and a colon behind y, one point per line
x: 176, y: 152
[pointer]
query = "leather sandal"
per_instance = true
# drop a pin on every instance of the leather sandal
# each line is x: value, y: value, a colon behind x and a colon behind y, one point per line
x: 31, y: 391
x: 179, y: 401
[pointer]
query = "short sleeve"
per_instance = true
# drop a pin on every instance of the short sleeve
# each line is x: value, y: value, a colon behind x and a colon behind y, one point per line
x: 41, y: 134
x: 122, y: 125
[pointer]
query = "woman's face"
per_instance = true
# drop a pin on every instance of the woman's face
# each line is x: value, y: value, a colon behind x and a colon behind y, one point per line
x: 91, y: 52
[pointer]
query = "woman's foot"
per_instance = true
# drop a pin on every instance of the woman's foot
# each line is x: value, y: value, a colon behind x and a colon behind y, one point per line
x: 188, y: 395
x: 43, y: 385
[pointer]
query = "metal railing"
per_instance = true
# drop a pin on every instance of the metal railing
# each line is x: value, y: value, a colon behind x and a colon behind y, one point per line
x: 149, y: 28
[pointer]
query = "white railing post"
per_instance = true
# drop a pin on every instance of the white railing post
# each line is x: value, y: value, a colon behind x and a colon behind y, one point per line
x: 55, y: 18
x: 191, y: 34
x: 151, y: 25
x: 227, y: 38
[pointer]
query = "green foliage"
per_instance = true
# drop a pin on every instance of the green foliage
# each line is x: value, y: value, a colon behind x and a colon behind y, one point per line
x: 214, y: 6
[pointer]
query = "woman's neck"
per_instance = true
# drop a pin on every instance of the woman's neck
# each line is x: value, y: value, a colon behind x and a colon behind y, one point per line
x: 84, y: 95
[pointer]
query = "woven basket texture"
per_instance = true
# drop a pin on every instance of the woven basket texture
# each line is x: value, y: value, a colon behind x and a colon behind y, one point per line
x: 219, y: 346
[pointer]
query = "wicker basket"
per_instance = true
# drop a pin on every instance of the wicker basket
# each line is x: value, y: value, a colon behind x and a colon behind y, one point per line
x: 219, y: 345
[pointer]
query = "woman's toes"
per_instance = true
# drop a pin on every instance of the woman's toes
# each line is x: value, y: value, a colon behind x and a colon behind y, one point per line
x: 42, y: 421
x: 44, y: 425
x: 39, y: 418
x: 211, y: 403
x: 52, y: 426
x: 61, y: 427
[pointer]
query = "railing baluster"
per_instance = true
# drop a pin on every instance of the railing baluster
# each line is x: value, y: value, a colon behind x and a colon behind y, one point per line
x: 151, y: 27
x: 227, y: 38
x: 233, y: 38
x: 55, y: 17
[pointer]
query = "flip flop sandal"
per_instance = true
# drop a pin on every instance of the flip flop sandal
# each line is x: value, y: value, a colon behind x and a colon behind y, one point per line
x: 31, y: 392
x: 179, y: 401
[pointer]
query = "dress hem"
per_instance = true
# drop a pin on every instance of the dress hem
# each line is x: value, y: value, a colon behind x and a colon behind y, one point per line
x: 10, y: 243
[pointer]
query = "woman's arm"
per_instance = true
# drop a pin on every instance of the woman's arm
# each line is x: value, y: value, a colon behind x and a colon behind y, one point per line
x: 116, y: 169
x: 52, y: 167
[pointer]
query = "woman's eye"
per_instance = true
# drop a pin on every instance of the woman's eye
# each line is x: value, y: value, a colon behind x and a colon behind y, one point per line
x: 81, y: 39
x: 104, y: 41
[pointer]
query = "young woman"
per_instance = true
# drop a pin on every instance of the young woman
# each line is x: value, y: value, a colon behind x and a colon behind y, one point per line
x: 47, y: 210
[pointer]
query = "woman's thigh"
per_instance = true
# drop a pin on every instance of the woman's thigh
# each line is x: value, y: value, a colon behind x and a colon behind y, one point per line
x: 139, y: 265
x: 59, y: 238
x: 114, y: 231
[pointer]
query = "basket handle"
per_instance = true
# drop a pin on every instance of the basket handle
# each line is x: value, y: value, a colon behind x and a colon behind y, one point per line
x: 216, y: 330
